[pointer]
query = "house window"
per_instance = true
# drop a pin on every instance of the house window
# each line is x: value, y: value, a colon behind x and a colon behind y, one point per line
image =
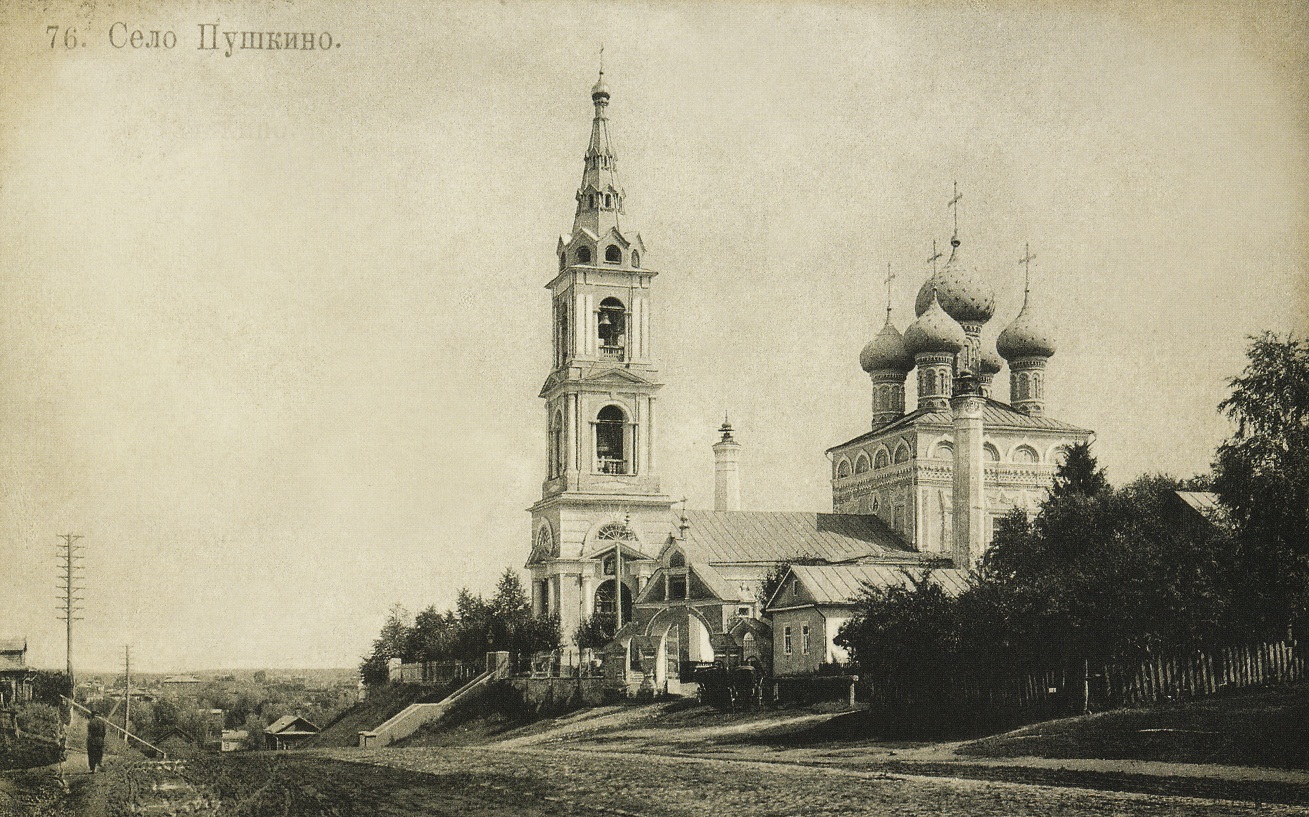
x: 613, y: 255
x: 610, y: 441
x: 583, y: 255
x: 804, y: 639
x: 786, y: 640
x: 611, y: 326
x: 743, y: 612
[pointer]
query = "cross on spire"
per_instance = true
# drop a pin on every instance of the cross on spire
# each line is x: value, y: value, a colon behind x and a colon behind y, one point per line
x: 954, y: 205
x: 602, y: 59
x: 889, y: 277
x: 1026, y: 261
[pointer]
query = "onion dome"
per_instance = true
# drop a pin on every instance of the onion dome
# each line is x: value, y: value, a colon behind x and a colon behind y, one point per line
x: 600, y: 90
x: 991, y: 362
x: 934, y: 332
x: 886, y: 352
x: 964, y: 293
x: 1027, y: 336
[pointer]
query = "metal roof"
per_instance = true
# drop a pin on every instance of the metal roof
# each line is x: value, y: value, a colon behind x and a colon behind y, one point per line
x: 282, y: 726
x: 994, y: 415
x: 841, y: 584
x: 1205, y: 502
x: 13, y: 645
x: 779, y: 536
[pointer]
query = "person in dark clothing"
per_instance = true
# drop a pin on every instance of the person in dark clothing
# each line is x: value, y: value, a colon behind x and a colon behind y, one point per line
x: 95, y: 742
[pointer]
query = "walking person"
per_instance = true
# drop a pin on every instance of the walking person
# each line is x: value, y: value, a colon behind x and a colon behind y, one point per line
x: 95, y: 742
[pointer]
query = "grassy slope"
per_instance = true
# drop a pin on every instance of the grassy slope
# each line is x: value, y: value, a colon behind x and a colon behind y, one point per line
x: 381, y: 704
x: 1265, y: 727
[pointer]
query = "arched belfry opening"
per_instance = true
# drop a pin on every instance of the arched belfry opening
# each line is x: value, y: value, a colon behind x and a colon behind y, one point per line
x: 611, y: 449
x: 611, y: 326
x: 606, y: 600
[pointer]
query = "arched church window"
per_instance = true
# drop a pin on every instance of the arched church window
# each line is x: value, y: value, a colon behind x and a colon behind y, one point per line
x: 583, y: 255
x: 590, y: 201
x: 748, y: 647
x: 609, y: 200
x: 943, y: 451
x: 1026, y: 454
x: 902, y: 453
x: 557, y: 445
x: 843, y: 469
x: 563, y: 261
x: 636, y: 258
x: 882, y: 459
x: 677, y: 559
x: 990, y: 453
x: 1060, y: 455
x: 861, y: 463
x: 611, y: 327
x: 613, y: 255
x: 610, y: 441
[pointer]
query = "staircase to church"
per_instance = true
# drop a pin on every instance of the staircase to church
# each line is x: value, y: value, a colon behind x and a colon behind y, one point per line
x: 415, y: 716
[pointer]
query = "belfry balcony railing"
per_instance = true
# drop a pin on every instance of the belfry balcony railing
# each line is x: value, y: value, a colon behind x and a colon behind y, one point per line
x: 608, y: 466
x: 612, y: 351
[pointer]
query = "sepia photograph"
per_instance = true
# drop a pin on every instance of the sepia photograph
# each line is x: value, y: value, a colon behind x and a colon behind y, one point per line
x: 654, y: 408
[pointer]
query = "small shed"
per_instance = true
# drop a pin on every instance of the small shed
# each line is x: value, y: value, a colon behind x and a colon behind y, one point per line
x: 288, y: 731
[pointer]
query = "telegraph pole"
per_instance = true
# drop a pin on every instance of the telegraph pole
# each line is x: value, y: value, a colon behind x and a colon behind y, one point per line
x: 70, y: 583
x: 127, y: 692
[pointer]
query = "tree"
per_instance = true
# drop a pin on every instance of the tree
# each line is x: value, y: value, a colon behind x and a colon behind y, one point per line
x: 393, y: 642
x: 1262, y: 476
x: 903, y: 638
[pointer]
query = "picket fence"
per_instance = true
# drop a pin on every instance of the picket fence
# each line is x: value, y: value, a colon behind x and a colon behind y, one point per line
x: 1086, y: 685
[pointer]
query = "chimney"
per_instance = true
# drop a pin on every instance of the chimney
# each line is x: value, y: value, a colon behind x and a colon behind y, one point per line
x: 969, y: 512
x: 727, y: 472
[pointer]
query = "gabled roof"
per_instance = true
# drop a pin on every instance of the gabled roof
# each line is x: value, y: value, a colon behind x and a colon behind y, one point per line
x: 284, y: 724
x: 779, y: 536
x: 842, y: 584
x: 13, y: 645
x: 994, y: 415
x: 1206, y: 504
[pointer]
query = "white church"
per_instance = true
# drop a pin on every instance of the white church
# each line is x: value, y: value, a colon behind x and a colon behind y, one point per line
x: 922, y: 488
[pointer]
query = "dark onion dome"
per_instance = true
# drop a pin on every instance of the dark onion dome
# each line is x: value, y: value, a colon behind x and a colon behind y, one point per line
x: 1027, y: 336
x: 886, y: 352
x: 934, y: 332
x: 991, y: 362
x: 964, y: 293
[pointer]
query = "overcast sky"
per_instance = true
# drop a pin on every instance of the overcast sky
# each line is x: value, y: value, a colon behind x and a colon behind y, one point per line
x: 272, y: 326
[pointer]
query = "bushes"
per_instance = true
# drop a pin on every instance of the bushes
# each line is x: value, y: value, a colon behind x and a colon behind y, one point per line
x: 475, y: 627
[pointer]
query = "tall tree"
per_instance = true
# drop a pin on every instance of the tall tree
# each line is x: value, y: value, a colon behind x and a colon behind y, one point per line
x: 1262, y: 476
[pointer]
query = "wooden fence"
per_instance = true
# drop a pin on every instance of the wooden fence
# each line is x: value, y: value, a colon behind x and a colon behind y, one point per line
x: 1097, y: 685
x: 1173, y: 677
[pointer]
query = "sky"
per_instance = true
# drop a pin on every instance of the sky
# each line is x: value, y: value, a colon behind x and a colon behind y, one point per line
x: 273, y: 325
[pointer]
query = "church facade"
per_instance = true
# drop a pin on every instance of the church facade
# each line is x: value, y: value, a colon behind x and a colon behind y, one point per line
x: 921, y: 489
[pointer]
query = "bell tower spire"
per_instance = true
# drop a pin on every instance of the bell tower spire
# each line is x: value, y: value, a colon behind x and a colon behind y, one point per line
x: 600, y: 196
x: 600, y: 499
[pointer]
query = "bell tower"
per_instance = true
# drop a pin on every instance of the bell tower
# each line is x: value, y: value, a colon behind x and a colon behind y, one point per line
x: 601, y: 508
